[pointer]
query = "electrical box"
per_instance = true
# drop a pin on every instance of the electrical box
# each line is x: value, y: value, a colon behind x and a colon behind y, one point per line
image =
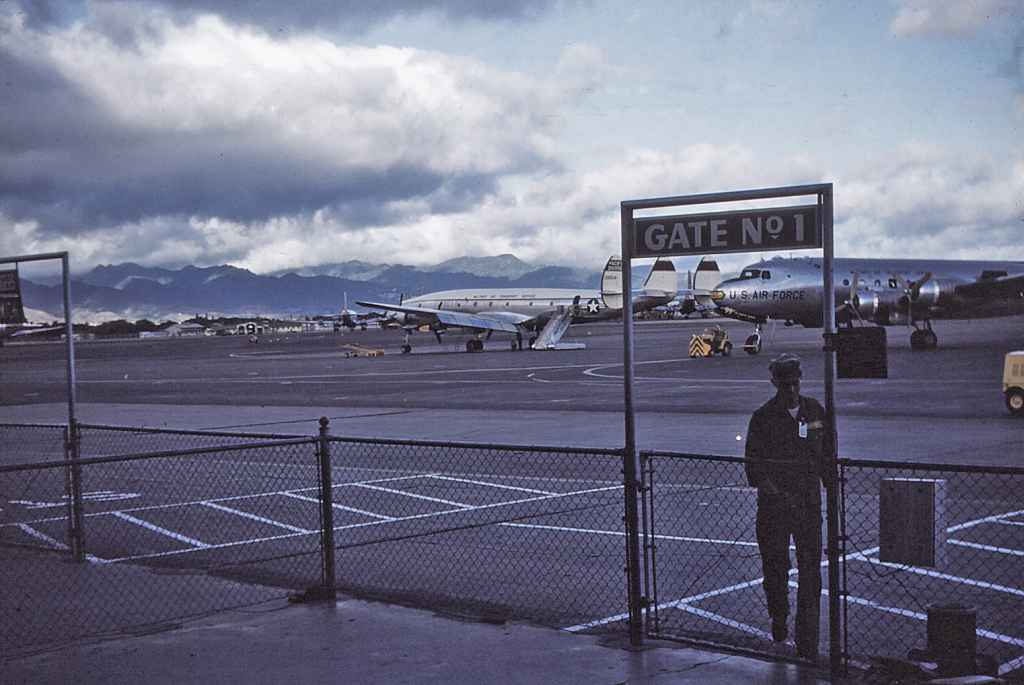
x: 861, y: 353
x: 912, y: 521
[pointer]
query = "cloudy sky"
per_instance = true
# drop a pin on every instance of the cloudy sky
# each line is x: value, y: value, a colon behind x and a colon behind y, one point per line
x: 271, y: 134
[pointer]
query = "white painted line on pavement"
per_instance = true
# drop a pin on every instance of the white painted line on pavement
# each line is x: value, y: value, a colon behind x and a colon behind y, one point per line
x: 493, y: 485
x: 988, y: 519
x: 717, y: 618
x: 157, y: 529
x: 412, y: 494
x: 987, y: 548
x: 941, y: 576
x: 254, y: 517
x: 620, y: 533
x: 55, y: 543
x: 460, y: 510
x: 342, y: 507
x: 1011, y: 665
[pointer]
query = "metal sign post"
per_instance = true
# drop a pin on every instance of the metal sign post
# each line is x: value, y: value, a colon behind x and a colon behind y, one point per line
x: 75, y: 530
x: 749, y: 230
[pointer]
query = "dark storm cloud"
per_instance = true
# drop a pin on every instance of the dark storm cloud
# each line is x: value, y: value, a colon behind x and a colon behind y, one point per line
x: 74, y: 158
x: 78, y: 189
x: 299, y: 15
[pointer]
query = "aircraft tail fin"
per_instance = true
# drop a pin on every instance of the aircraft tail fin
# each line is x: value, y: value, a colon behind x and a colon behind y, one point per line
x: 707, y: 276
x: 662, y: 276
x: 611, y: 283
x: 11, y: 309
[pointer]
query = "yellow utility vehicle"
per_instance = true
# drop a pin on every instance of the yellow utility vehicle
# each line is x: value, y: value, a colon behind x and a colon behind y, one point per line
x: 714, y: 340
x: 1013, y: 382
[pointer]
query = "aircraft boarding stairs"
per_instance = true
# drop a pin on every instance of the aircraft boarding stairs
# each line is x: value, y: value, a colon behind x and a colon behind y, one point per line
x: 555, y: 328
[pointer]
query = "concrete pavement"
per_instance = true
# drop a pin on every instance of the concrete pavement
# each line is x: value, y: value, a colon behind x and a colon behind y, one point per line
x: 353, y: 641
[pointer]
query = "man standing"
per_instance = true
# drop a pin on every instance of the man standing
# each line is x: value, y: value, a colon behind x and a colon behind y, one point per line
x: 788, y: 455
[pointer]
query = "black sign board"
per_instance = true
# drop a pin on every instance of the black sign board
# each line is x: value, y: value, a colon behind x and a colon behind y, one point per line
x: 754, y: 230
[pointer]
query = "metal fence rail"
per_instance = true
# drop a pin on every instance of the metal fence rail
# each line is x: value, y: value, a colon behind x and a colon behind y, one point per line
x: 167, y: 535
x: 491, y: 531
x: 98, y: 440
x: 974, y: 518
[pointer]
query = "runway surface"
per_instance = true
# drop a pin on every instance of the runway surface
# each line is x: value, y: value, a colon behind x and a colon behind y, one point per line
x: 944, y: 406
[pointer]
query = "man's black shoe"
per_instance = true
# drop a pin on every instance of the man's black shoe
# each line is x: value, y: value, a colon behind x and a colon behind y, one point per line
x: 779, y: 629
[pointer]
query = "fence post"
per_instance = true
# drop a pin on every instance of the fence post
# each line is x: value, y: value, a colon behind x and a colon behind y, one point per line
x: 326, y: 512
x: 72, y: 449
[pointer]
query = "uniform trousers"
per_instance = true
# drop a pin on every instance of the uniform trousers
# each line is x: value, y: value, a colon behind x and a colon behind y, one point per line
x: 779, y: 519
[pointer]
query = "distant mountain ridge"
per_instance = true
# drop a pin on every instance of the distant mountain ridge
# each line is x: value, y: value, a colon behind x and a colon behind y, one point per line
x: 133, y: 291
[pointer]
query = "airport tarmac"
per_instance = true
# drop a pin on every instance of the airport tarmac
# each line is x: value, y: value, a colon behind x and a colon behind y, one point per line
x: 943, y: 406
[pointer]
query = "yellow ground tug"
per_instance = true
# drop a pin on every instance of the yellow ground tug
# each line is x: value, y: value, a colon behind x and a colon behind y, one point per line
x: 712, y: 341
x: 1013, y: 382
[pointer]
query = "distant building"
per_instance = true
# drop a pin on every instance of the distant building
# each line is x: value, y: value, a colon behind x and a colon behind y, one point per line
x: 186, y: 330
x: 250, y: 328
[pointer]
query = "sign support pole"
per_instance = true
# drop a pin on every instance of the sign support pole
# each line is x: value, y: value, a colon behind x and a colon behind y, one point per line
x: 630, y: 455
x: 832, y: 491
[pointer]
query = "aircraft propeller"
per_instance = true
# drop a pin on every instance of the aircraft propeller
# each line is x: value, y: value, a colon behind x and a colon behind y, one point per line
x: 911, y: 291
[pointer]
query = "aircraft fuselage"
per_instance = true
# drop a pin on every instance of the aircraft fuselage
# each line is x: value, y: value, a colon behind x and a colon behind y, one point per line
x: 883, y: 291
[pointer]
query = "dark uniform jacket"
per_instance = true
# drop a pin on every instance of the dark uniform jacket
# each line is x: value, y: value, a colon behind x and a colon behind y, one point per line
x: 776, y: 451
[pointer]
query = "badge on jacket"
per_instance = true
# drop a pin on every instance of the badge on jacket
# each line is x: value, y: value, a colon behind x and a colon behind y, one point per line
x: 803, y: 428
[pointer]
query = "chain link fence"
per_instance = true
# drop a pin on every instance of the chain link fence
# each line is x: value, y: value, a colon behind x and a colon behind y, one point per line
x: 705, y: 571
x: 22, y: 443
x: 487, y: 531
x: 492, y: 532
x: 921, y: 537
x: 166, y: 535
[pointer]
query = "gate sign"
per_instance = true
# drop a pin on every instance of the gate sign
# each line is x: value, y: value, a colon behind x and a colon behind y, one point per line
x: 753, y: 230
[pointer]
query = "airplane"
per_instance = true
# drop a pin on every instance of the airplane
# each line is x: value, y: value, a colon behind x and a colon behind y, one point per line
x: 351, y: 319
x: 885, y: 292
x: 13, y: 323
x: 697, y: 299
x: 542, y: 313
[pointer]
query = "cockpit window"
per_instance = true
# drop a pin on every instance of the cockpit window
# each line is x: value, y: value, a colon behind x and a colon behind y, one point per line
x: 766, y: 275
x: 750, y: 273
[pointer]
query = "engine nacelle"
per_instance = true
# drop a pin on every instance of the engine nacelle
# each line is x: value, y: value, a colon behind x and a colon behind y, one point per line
x: 935, y: 292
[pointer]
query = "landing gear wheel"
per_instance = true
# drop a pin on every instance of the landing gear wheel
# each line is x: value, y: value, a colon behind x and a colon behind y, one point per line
x: 1015, y: 401
x: 474, y: 345
x: 726, y: 349
x: 931, y: 341
x: 515, y: 346
x: 406, y: 349
x: 752, y: 344
x: 917, y: 340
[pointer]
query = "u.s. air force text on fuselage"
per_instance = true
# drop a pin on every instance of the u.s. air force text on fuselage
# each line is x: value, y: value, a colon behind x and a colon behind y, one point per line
x: 755, y: 230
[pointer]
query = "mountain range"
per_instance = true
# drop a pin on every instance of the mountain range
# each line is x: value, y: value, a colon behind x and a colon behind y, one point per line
x: 131, y: 291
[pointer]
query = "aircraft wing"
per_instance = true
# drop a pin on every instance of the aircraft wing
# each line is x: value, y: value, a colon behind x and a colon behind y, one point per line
x: 480, y: 322
x: 1006, y: 286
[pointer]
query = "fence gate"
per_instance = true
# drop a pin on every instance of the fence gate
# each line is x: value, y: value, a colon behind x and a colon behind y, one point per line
x: 702, y: 570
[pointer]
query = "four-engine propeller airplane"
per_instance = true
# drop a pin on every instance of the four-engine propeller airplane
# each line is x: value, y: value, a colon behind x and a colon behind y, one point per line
x: 542, y: 313
x: 886, y: 292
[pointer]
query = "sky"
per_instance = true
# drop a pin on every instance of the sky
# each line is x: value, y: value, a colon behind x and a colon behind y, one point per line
x: 272, y: 135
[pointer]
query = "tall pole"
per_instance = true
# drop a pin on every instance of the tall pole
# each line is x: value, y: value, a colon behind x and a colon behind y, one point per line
x: 76, y: 534
x: 630, y: 456
x: 69, y: 336
x: 831, y: 493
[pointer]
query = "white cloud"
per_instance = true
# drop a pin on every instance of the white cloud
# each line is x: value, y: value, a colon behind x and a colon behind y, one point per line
x: 950, y: 17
